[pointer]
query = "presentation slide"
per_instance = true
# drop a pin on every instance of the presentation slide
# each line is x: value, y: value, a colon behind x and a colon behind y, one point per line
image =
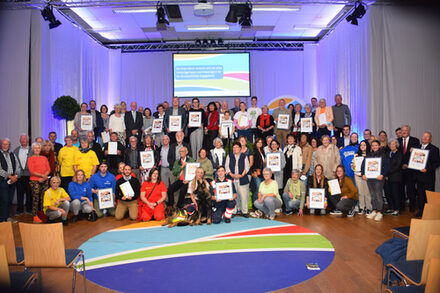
x: 211, y: 75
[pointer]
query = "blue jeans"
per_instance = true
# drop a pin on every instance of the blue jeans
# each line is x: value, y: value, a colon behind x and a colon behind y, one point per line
x: 6, y: 195
x: 291, y: 204
x: 255, y: 186
x: 245, y: 132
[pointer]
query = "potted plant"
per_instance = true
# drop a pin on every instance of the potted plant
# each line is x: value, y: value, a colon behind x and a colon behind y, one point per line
x: 65, y: 107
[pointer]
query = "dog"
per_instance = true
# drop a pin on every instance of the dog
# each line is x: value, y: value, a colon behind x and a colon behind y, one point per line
x: 178, y: 217
x: 204, y: 205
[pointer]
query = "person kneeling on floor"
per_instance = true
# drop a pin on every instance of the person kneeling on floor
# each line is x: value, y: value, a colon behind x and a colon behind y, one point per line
x: 153, y: 195
x: 347, y: 200
x: 80, y: 195
x: 294, y: 194
x: 127, y: 192
x: 222, y: 208
x: 102, y: 180
x: 56, y: 203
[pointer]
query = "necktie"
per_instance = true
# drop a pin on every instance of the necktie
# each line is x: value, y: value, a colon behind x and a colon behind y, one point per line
x: 404, y: 145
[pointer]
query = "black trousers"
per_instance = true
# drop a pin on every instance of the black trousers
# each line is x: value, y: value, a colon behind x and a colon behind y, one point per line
x: 178, y: 185
x: 65, y: 182
x: 394, y: 195
x: 409, y: 182
x: 22, y: 189
x: 344, y: 205
x: 323, y: 131
x: 337, y: 131
x: 421, y: 192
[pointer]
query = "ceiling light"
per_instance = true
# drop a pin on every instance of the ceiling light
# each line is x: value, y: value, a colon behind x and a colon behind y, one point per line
x: 358, y: 12
x: 276, y: 8
x: 135, y: 10
x: 245, y: 19
x: 232, y: 14
x: 162, y: 23
x: 48, y: 15
x: 223, y: 27
x: 106, y: 30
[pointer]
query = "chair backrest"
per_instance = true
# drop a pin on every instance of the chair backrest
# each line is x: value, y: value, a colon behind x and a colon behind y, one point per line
x: 433, y: 197
x: 431, y: 212
x: 418, y: 237
x: 7, y: 239
x: 432, y: 251
x: 433, y: 282
x: 43, y: 245
x: 5, y: 279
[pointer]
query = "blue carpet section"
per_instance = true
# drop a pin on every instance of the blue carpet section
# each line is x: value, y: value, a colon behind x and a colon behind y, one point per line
x: 229, y: 272
x: 122, y: 240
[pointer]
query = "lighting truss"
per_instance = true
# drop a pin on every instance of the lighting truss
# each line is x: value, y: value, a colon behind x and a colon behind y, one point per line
x: 191, y: 46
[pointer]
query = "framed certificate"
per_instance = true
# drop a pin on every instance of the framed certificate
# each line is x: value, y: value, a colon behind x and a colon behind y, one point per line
x: 195, y: 119
x: 322, y: 119
x: 223, y: 190
x: 316, y: 198
x: 418, y: 159
x: 243, y: 121
x: 226, y: 128
x: 157, y: 126
x: 306, y: 124
x: 175, y: 123
x: 112, y: 147
x: 105, y: 198
x: 334, y: 187
x: 147, y: 159
x: 105, y: 136
x: 273, y: 161
x: 358, y: 164
x: 190, y: 171
x: 283, y: 121
x: 373, y: 167
x: 127, y: 190
x: 87, y: 122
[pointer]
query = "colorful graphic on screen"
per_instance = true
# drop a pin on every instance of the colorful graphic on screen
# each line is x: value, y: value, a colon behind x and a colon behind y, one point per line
x: 211, y: 75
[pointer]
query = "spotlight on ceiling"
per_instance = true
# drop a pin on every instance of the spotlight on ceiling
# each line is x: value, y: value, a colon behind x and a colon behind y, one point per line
x: 198, y: 43
x: 231, y: 17
x: 358, y: 12
x: 48, y: 15
x: 162, y: 22
x: 220, y: 42
x: 245, y: 19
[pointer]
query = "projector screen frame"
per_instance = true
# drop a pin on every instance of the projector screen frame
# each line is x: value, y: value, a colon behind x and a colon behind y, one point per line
x: 210, y: 53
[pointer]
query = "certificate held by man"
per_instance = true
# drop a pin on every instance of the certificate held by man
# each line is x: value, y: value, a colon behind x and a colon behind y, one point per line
x: 175, y: 123
x: 112, y: 148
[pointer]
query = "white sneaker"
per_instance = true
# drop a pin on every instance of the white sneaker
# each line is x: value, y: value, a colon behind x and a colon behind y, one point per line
x: 371, y: 215
x: 257, y: 214
x: 278, y: 211
x: 378, y: 217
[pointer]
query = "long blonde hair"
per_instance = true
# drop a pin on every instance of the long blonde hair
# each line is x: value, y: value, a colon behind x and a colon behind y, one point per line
x: 194, y: 182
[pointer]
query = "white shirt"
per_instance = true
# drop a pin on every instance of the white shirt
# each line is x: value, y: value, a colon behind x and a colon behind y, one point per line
x: 254, y: 113
x: 346, y: 141
x: 133, y: 113
x: 116, y: 124
x: 22, y: 156
x: 424, y: 146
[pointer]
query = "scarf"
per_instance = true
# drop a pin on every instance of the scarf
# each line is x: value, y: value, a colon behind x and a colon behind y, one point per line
x: 84, y: 150
x: 264, y: 120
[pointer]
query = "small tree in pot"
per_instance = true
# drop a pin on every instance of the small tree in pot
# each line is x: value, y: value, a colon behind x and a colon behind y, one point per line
x: 65, y: 107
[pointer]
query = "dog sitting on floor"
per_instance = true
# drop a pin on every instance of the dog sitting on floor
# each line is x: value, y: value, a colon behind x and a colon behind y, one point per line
x: 203, y: 198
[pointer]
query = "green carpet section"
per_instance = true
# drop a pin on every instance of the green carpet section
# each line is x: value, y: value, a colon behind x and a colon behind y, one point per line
x: 278, y: 241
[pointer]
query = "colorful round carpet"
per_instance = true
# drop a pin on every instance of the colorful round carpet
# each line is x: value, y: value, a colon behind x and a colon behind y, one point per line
x: 247, y: 255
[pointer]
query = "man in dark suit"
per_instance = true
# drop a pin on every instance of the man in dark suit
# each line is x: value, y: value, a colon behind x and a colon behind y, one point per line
x: 173, y: 154
x: 174, y: 110
x: 133, y: 123
x: 425, y: 178
x: 406, y: 143
x: 345, y: 139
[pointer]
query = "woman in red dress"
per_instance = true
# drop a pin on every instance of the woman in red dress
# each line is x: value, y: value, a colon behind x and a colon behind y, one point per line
x: 153, y: 194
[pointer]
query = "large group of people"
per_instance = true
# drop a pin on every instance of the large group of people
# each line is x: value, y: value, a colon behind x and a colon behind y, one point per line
x: 51, y: 180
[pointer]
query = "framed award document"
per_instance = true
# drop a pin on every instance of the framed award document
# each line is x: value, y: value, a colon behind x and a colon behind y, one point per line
x: 283, y: 121
x: 274, y: 161
x: 226, y: 128
x: 112, y: 147
x: 373, y: 167
x: 316, y: 198
x: 223, y: 190
x: 306, y: 125
x: 190, y: 171
x: 105, y: 198
x: 195, y: 119
x: 175, y: 123
x: 418, y: 159
x: 87, y: 122
x: 157, y: 126
x: 243, y: 121
x: 147, y: 159
x: 322, y: 119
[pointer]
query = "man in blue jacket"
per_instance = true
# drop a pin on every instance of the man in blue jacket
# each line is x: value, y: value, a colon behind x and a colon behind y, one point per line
x: 101, y: 180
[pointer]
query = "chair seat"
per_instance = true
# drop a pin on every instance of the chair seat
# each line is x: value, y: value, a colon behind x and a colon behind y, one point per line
x: 71, y: 255
x: 402, y: 231
x: 20, y: 255
x: 409, y: 289
x: 20, y: 280
x: 412, y: 270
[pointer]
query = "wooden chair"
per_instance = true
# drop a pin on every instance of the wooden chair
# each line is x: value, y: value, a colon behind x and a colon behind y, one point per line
x: 14, y: 254
x: 14, y: 281
x: 432, y: 197
x: 43, y: 247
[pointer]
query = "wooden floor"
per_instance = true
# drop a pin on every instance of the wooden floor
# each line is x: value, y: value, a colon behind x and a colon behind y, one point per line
x: 355, y: 268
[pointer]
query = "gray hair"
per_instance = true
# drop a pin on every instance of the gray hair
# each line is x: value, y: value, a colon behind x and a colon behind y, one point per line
x: 7, y: 139
x: 116, y: 106
x: 25, y: 135
x: 307, y: 105
x: 394, y: 140
x: 218, y: 139
x: 407, y: 126
x: 83, y: 138
x: 320, y: 100
x: 325, y: 136
x: 267, y: 169
x: 33, y: 145
x: 295, y: 171
x: 165, y: 136
x: 133, y: 137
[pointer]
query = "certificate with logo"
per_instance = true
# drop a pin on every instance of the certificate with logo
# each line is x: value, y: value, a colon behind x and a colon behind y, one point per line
x: 316, y: 198
x: 373, y: 167
x: 223, y: 190
x: 147, y: 159
x: 87, y: 122
x: 157, y: 126
x: 418, y: 159
x: 190, y: 171
x: 274, y: 161
x: 105, y: 198
x: 175, y: 123
x: 195, y: 119
x: 283, y: 121
x: 306, y: 125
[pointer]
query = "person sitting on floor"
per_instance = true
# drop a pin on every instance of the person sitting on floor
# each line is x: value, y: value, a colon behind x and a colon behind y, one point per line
x: 268, y: 197
x: 294, y: 194
x: 153, y: 196
x: 56, y: 203
x: 317, y: 180
x: 101, y: 180
x: 127, y: 197
x: 344, y: 202
x: 222, y: 208
x: 180, y: 184
x: 80, y: 195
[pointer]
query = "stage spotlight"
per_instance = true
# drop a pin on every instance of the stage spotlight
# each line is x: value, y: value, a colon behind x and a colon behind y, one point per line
x: 220, y: 42
x: 198, y: 43
x: 212, y: 43
x: 205, y: 43
x: 232, y: 14
x: 245, y: 19
x: 162, y: 23
x: 358, y: 12
x: 48, y: 15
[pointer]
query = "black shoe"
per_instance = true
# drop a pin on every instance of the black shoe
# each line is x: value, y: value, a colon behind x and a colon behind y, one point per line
x: 74, y: 219
x: 388, y: 212
x: 227, y: 221
x: 288, y: 212
x: 246, y: 215
x: 65, y: 223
